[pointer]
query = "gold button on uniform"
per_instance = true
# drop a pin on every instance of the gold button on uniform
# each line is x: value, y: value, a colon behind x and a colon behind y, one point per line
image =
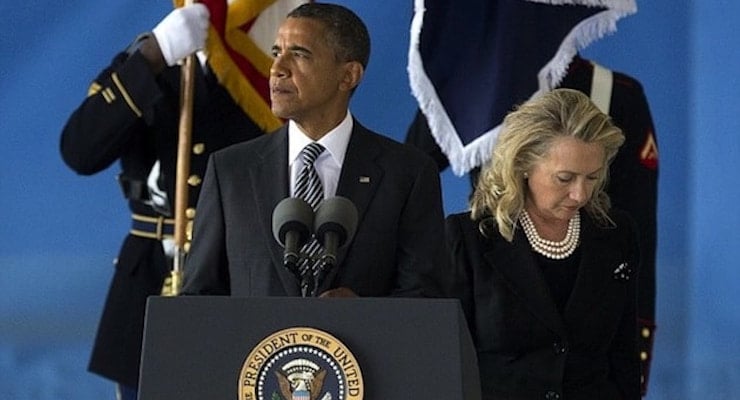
x: 199, y: 148
x: 645, y: 333
x: 190, y: 213
x: 194, y: 180
x: 189, y: 232
x: 643, y: 355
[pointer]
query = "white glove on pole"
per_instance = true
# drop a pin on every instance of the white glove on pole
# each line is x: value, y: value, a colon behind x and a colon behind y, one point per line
x: 182, y: 32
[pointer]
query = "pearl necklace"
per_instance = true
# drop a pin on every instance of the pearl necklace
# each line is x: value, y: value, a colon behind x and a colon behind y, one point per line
x: 548, y: 248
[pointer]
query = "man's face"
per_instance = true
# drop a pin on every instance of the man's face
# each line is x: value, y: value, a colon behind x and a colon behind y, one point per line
x: 307, y: 82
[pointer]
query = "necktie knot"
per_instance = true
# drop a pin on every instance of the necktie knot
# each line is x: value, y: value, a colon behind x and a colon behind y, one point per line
x: 308, y: 186
x: 311, y: 152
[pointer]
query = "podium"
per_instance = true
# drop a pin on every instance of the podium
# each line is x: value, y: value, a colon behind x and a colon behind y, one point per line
x: 197, y: 347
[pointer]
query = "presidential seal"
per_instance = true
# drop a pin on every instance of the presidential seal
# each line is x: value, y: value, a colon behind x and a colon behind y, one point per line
x: 300, y: 364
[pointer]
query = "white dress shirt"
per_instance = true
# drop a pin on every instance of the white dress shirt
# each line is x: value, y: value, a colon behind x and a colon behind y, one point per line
x: 329, y: 163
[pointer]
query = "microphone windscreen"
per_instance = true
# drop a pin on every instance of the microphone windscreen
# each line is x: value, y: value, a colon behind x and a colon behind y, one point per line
x: 292, y: 214
x: 339, y: 215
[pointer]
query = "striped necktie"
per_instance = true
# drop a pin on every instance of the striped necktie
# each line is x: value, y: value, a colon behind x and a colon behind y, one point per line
x: 308, y: 187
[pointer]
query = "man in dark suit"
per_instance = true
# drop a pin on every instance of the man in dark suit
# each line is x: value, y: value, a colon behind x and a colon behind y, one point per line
x: 320, y: 56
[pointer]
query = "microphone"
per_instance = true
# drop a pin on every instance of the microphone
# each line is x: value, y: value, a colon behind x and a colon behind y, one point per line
x: 335, y: 225
x: 292, y: 220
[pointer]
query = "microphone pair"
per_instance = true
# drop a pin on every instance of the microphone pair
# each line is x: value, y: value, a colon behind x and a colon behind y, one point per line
x: 333, y: 224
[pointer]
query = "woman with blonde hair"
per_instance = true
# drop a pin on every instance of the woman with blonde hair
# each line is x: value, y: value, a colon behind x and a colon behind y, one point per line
x: 545, y: 269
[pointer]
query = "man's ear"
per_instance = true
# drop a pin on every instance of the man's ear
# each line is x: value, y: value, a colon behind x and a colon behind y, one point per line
x: 353, y: 72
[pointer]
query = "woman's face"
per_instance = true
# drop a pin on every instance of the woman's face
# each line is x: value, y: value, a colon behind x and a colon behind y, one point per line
x: 564, y: 180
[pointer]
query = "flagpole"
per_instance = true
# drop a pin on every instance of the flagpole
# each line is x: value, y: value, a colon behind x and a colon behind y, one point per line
x: 173, y: 287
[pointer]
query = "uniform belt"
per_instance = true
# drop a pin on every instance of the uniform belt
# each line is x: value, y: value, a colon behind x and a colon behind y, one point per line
x: 152, y: 227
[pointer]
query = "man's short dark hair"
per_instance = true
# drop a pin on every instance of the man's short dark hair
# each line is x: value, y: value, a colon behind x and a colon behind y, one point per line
x: 348, y: 35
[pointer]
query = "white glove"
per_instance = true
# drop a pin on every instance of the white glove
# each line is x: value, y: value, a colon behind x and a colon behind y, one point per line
x: 157, y: 195
x: 182, y: 32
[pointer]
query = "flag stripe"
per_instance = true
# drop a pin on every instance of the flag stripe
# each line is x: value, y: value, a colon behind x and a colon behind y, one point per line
x: 239, y: 39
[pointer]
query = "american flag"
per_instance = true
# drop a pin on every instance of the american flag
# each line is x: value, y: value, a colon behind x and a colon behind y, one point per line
x: 241, y: 35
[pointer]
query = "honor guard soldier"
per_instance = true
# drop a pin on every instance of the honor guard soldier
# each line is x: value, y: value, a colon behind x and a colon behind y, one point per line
x: 131, y: 115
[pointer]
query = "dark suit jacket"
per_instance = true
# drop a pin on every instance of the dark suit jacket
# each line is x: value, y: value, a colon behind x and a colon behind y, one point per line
x: 526, y: 348
x: 398, y: 246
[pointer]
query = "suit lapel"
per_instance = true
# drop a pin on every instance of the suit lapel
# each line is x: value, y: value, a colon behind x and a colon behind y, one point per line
x: 517, y: 264
x: 361, y: 175
x: 599, y: 257
x: 358, y: 181
x: 269, y: 180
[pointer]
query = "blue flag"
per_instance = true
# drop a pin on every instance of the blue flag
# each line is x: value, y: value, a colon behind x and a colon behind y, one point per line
x: 471, y: 61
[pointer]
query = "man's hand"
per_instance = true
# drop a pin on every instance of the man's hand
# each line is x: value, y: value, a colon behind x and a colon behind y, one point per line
x: 182, y: 32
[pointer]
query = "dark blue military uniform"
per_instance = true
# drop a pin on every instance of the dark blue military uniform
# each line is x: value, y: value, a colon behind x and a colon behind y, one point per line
x: 132, y: 115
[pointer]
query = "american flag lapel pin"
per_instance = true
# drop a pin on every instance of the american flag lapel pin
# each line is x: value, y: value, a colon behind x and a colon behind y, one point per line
x: 364, y: 179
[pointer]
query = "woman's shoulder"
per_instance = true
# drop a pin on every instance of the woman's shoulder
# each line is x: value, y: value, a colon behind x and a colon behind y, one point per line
x: 462, y: 226
x: 620, y: 228
x: 622, y: 219
x: 615, y: 219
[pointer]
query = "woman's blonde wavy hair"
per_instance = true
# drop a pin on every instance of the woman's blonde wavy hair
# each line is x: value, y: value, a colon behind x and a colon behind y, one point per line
x: 526, y: 136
